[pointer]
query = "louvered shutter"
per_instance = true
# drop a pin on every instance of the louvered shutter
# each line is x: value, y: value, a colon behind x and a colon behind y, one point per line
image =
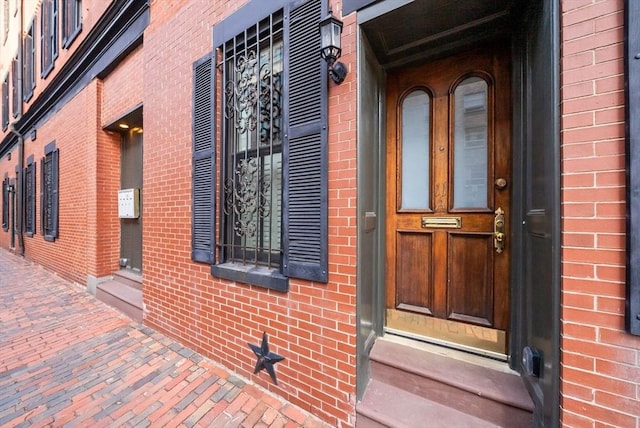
x: 203, y: 195
x: 55, y: 178
x: 5, y: 203
x: 49, y: 202
x: 30, y: 195
x: 305, y: 190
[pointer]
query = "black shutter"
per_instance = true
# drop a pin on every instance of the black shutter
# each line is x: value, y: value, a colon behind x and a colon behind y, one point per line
x: 203, y: 162
x: 5, y: 103
x: 5, y: 203
x: 305, y: 190
x: 56, y: 200
x: 42, y: 191
x: 28, y: 55
x: 632, y: 93
x: 30, y: 195
x: 14, y: 87
x: 49, y: 201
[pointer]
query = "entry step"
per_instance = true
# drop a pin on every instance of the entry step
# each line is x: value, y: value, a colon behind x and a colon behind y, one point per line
x: 125, y: 298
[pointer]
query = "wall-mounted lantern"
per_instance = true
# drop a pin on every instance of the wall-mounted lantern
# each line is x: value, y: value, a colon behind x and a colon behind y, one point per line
x: 330, y: 50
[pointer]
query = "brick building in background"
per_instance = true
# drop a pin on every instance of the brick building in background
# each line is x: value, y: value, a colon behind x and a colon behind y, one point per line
x: 451, y: 230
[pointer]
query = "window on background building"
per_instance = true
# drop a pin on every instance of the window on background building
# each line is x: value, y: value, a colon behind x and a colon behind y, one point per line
x: 15, y: 102
x: 49, y: 192
x: 48, y: 35
x: 5, y: 21
x: 71, y: 21
x: 5, y: 203
x: 30, y: 197
x: 271, y: 179
x: 5, y: 103
x: 29, y: 59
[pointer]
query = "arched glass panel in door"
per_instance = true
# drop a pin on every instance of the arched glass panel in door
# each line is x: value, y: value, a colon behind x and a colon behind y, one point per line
x: 416, y: 127
x: 470, y: 145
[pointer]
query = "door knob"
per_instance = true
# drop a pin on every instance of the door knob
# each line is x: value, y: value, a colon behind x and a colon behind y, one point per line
x: 499, y: 236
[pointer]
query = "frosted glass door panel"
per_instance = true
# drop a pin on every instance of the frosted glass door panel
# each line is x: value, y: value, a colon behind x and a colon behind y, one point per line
x: 470, y: 145
x: 415, y: 151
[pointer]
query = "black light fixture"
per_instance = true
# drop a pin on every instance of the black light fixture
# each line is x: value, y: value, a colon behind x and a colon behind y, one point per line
x: 330, y: 50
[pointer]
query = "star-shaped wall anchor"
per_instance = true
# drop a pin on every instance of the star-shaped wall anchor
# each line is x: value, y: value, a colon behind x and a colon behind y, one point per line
x: 266, y: 358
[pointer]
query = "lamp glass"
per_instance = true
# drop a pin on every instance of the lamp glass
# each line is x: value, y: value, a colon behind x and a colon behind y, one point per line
x: 330, y: 31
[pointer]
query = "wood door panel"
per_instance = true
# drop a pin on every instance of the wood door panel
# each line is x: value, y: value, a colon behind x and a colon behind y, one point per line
x: 470, y: 290
x: 443, y: 272
x: 415, y: 272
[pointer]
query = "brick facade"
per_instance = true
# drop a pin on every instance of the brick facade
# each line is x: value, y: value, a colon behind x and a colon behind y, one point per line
x: 600, y: 367
x: 314, y: 325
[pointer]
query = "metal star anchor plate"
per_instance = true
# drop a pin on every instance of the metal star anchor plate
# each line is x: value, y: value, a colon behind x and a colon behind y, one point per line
x: 266, y: 358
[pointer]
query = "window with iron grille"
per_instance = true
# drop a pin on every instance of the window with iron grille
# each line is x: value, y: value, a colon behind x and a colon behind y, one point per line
x: 251, y: 190
x: 49, y: 192
x: 71, y: 21
x: 5, y: 203
x: 262, y: 93
x: 30, y: 197
x: 5, y: 103
x: 29, y: 63
x: 48, y: 36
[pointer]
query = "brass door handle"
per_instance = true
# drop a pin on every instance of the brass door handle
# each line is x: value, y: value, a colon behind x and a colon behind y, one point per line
x: 499, y: 236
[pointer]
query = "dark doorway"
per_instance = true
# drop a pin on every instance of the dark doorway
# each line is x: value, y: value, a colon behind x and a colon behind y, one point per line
x: 131, y: 178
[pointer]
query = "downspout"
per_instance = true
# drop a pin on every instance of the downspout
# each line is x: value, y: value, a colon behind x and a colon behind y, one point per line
x: 12, y: 128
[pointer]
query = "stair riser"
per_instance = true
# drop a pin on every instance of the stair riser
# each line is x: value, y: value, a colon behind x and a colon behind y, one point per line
x: 472, y: 404
x: 128, y: 281
x: 363, y: 421
x: 126, y: 308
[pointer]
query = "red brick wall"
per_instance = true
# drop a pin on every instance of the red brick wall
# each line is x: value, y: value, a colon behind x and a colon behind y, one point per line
x: 70, y: 130
x: 313, y: 325
x: 600, y: 367
x: 123, y: 88
x: 88, y: 241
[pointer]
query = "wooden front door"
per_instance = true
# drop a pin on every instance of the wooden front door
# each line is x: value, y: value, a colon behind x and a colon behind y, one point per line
x: 448, y: 200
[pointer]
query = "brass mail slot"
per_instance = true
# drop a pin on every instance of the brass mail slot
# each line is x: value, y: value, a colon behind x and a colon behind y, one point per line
x: 442, y: 222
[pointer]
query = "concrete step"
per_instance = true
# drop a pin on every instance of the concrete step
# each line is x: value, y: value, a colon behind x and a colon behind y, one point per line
x: 478, y: 387
x: 122, y: 296
x: 129, y: 277
x: 384, y: 405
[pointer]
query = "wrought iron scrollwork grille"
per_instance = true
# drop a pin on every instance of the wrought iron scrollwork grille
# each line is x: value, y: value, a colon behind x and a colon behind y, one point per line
x: 251, y: 191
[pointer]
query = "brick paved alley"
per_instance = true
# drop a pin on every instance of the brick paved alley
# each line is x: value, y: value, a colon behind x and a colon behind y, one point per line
x: 67, y: 359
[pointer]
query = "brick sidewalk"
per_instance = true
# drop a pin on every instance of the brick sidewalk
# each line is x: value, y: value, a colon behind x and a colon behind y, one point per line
x: 67, y: 359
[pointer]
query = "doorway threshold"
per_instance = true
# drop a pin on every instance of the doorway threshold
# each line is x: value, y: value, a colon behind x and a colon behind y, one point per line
x: 444, y: 347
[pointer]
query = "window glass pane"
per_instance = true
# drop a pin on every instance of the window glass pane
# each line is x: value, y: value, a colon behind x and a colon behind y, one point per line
x: 415, y: 151
x: 470, y: 145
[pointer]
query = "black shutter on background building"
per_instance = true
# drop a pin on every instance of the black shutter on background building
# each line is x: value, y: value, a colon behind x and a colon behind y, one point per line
x: 30, y: 197
x: 5, y: 103
x: 49, y: 202
x: 305, y: 193
x: 15, y: 102
x: 5, y: 203
x: 203, y: 194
